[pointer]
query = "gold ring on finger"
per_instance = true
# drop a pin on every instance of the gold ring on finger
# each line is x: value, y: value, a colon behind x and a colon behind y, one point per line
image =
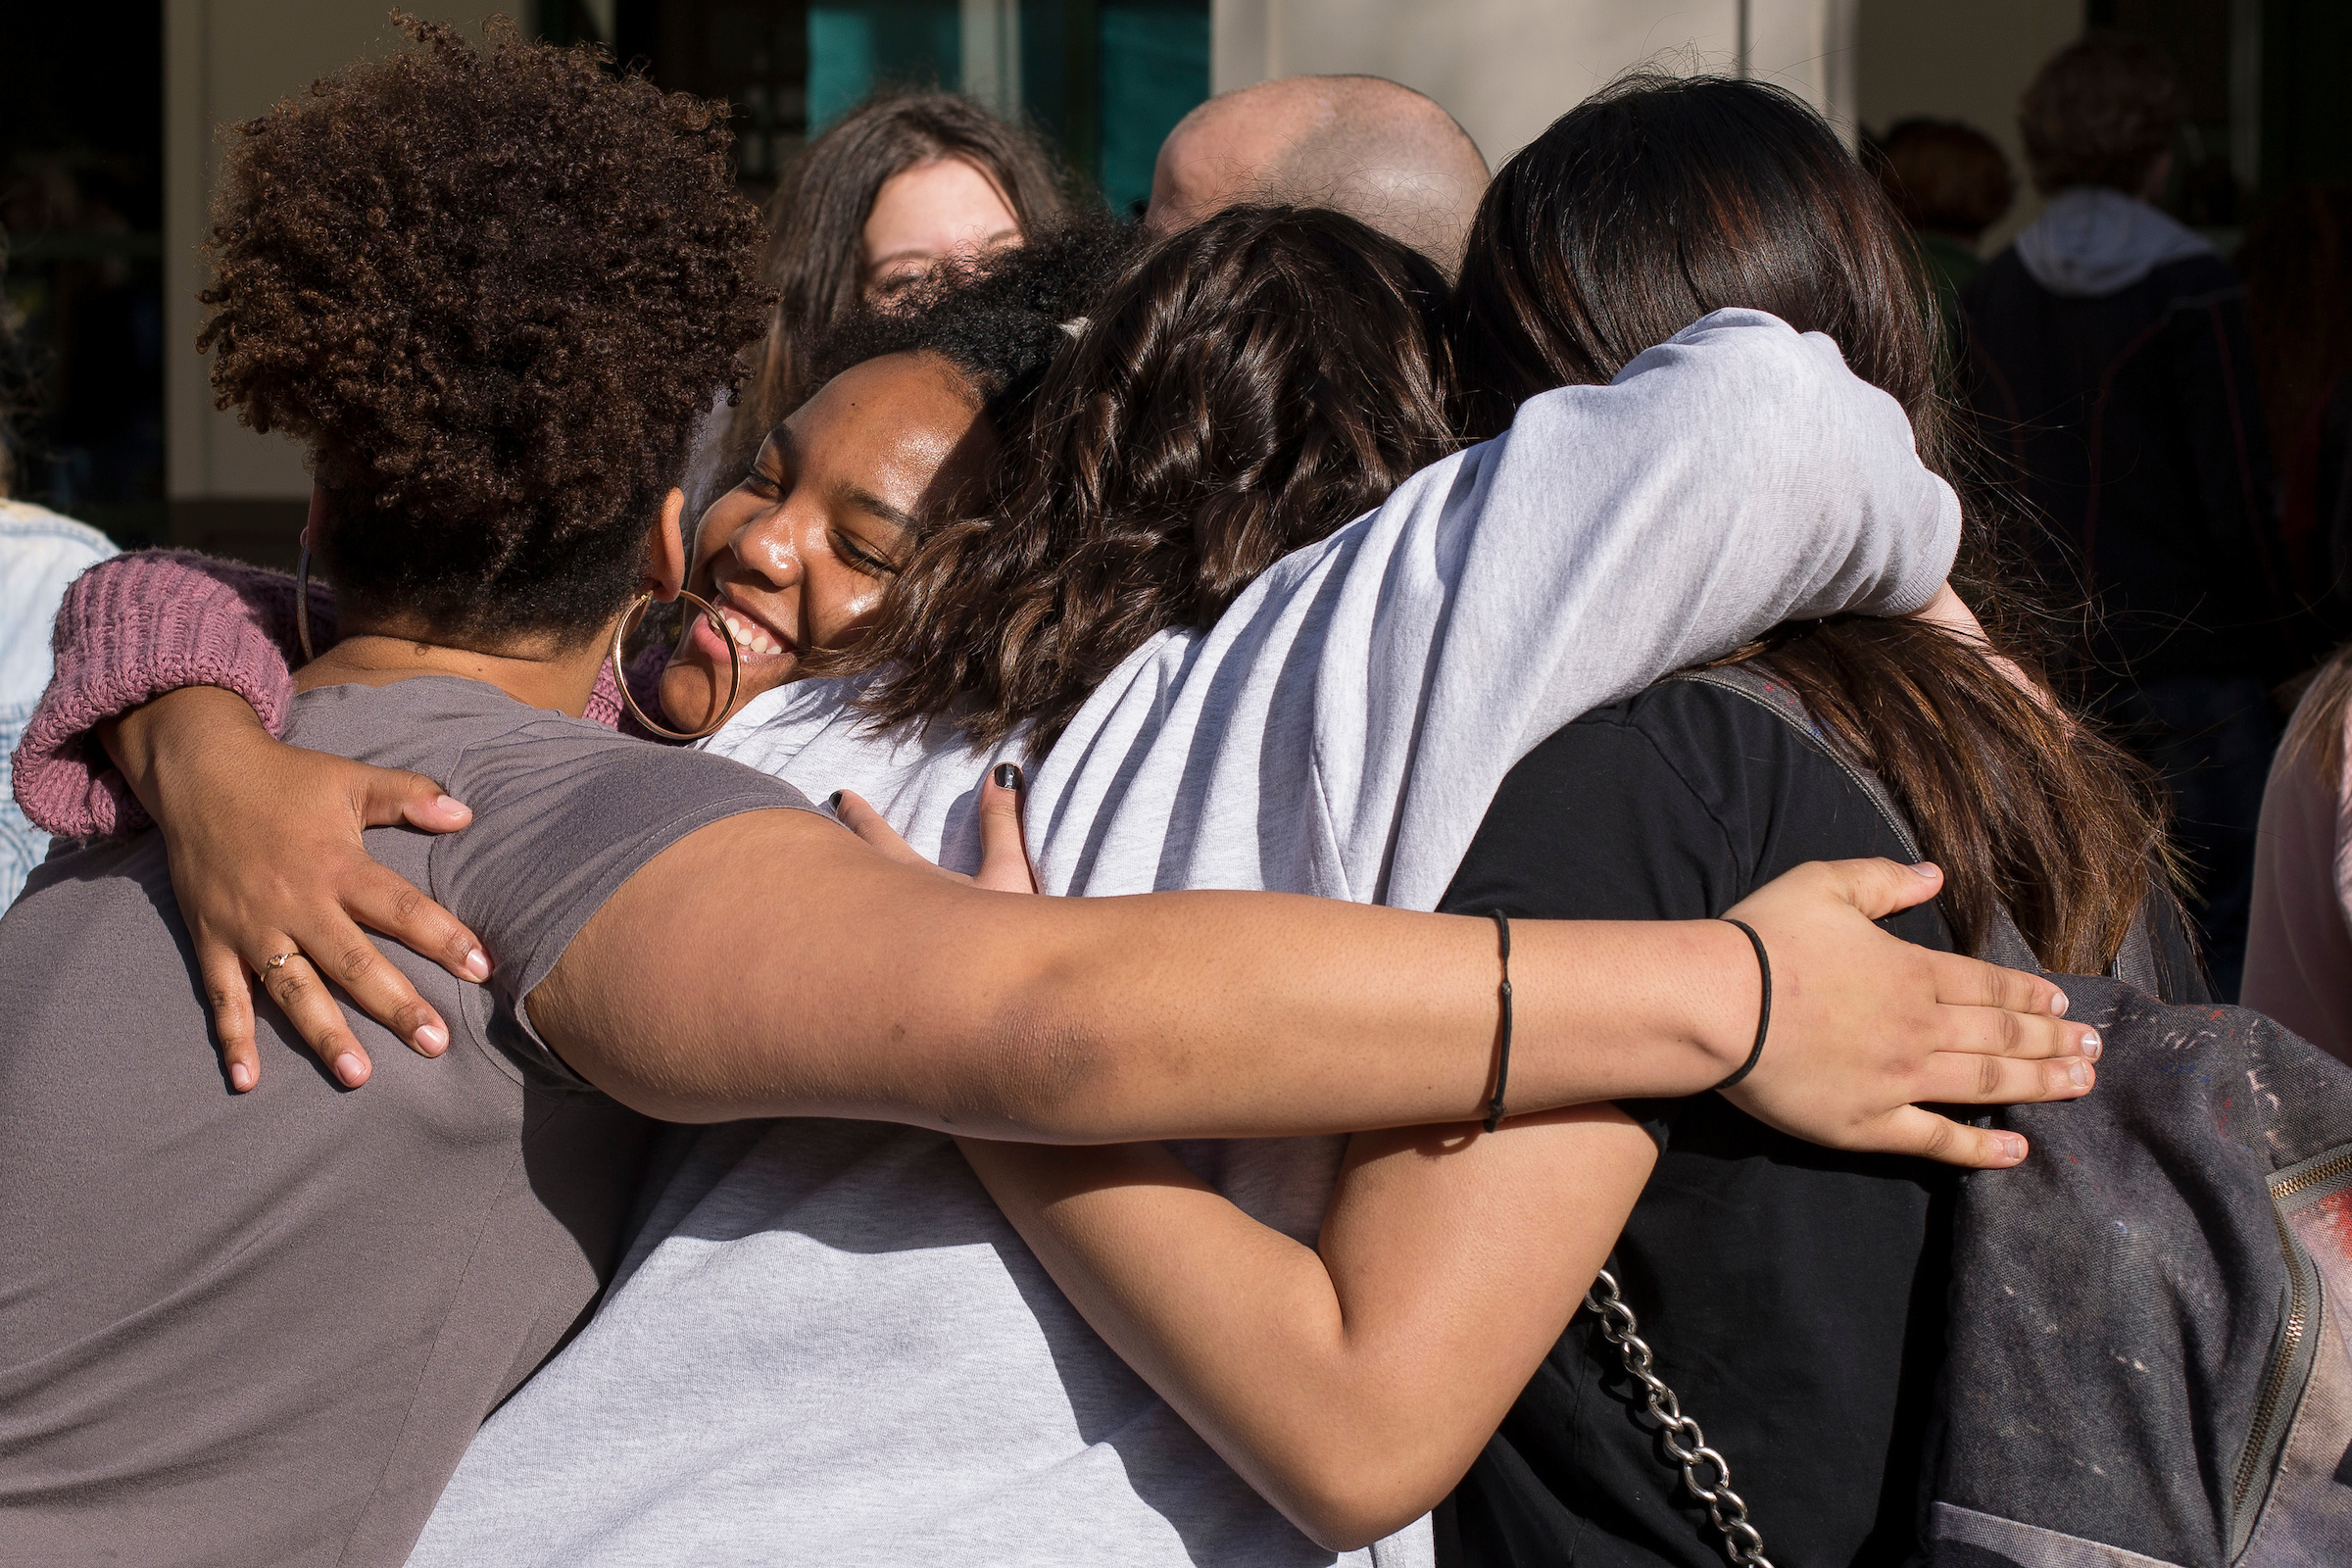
x: 277, y: 962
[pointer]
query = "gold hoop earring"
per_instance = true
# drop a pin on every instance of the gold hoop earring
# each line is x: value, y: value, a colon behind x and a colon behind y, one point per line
x: 621, y: 676
x: 301, y: 598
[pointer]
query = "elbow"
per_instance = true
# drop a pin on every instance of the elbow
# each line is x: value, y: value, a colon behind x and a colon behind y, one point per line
x: 1344, y: 1502
x: 1044, y: 1074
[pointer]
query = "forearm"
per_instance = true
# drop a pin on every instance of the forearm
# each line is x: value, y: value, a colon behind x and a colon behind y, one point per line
x: 157, y: 742
x: 812, y: 978
x: 1351, y: 1384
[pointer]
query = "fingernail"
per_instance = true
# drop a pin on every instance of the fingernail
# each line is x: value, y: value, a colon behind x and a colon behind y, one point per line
x: 2092, y: 1045
x: 432, y: 1039
x: 449, y: 803
x: 2012, y: 1145
x: 1925, y: 868
x: 2057, y: 1004
x: 1008, y: 776
x: 2077, y: 1073
x: 349, y: 1069
x: 478, y: 965
x: 833, y: 802
x: 240, y: 1077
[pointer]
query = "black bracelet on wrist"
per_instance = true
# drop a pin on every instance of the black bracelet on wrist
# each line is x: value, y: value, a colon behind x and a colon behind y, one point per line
x: 1502, y: 1051
x: 1763, y: 1013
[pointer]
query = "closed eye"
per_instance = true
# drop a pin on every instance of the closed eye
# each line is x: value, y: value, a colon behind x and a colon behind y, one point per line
x: 862, y: 559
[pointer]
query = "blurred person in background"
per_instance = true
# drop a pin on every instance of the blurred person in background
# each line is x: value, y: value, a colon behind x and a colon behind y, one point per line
x: 1950, y: 182
x: 2108, y: 359
x: 2299, y: 946
x: 40, y: 553
x: 2297, y: 263
x: 2299, y: 939
x: 1384, y: 154
x: 900, y: 183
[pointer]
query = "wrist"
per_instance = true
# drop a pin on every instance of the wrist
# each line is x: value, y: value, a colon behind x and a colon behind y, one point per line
x: 167, y: 736
x: 1722, y: 986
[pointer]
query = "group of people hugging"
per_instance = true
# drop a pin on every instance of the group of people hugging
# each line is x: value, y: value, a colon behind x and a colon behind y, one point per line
x: 1052, y: 890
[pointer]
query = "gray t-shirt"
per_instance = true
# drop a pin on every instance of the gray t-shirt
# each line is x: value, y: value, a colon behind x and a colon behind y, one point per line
x: 262, y: 1328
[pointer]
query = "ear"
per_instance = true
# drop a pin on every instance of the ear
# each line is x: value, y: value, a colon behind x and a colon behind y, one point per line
x: 665, y: 550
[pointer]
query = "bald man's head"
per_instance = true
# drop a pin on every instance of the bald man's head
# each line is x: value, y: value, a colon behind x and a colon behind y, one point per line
x: 1368, y: 147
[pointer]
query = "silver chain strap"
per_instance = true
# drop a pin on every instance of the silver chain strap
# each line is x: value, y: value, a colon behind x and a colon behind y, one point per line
x: 1739, y: 1537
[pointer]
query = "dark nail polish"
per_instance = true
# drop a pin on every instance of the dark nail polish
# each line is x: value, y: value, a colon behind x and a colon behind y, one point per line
x: 834, y: 802
x: 1008, y: 776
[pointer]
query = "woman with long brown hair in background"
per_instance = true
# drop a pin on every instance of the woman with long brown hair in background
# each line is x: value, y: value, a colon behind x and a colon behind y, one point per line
x: 904, y: 180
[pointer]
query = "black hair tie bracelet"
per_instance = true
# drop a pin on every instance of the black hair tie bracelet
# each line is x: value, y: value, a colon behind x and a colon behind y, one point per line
x: 1763, y: 1013
x: 1502, y: 1051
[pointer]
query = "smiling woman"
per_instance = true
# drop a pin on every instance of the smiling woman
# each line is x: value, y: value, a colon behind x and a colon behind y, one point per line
x: 797, y: 554
x: 904, y: 424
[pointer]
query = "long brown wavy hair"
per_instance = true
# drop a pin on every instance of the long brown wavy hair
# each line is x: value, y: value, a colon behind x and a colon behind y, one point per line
x: 816, y: 225
x: 1243, y: 387
x: 1661, y: 199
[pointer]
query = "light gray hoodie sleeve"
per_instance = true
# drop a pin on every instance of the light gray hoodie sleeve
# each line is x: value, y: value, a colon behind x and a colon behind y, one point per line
x: 1733, y: 477
x: 1343, y: 728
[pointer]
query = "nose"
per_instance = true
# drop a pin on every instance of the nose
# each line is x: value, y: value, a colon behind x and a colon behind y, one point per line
x: 769, y: 545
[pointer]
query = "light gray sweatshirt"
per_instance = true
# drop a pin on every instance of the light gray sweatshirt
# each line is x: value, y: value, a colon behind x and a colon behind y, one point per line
x: 827, y: 1345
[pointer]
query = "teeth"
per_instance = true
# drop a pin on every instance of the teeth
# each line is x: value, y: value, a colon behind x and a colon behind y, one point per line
x: 751, y: 638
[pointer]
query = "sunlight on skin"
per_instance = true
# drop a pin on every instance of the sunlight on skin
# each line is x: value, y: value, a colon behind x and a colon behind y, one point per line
x: 798, y: 554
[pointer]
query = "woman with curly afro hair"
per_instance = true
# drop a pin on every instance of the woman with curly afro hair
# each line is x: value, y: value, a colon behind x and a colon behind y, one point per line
x: 259, y: 1320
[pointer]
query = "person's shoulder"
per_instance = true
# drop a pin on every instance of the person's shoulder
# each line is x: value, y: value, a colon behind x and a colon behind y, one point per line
x: 1759, y: 766
x: 494, y: 751
x: 548, y: 750
x: 1699, y: 717
x: 1685, y: 744
x: 42, y: 552
x: 23, y: 526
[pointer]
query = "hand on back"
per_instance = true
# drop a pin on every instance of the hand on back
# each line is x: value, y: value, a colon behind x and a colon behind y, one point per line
x: 266, y: 861
x: 1867, y: 1028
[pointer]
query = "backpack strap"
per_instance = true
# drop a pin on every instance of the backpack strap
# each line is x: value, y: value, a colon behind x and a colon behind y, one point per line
x: 2135, y: 961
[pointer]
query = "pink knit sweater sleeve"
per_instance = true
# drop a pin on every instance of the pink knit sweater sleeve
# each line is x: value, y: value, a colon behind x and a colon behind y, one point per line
x: 142, y: 624
x: 133, y: 628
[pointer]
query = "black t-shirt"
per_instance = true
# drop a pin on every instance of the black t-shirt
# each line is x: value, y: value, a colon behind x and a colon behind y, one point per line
x: 1794, y: 1294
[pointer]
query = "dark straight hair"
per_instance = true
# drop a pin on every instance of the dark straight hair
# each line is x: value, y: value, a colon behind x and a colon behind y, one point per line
x: 1663, y: 198
x: 816, y: 225
x: 1243, y: 387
